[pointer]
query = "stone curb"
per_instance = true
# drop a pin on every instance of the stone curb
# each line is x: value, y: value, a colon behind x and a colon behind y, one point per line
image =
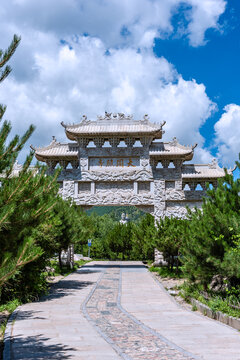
x: 218, y: 315
x: 7, y: 339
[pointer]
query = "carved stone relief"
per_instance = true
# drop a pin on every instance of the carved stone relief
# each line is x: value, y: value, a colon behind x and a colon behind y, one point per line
x: 68, y: 189
x: 113, y: 198
x: 178, y: 209
x: 115, y: 186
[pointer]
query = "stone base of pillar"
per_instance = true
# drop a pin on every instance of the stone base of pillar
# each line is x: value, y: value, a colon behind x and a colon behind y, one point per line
x: 159, y: 259
x: 67, y: 257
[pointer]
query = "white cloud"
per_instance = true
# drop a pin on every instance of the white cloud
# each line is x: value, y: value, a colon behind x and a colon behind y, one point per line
x: 227, y: 131
x: 83, y: 80
x: 116, y: 23
x: 104, y: 70
x: 204, y: 15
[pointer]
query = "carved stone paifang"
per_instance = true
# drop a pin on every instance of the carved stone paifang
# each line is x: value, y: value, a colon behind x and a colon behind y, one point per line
x: 129, y: 175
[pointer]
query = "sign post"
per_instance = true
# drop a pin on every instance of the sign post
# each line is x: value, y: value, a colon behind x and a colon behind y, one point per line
x: 89, y: 245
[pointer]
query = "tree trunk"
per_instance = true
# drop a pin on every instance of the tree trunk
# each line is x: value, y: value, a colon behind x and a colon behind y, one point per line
x: 60, y: 259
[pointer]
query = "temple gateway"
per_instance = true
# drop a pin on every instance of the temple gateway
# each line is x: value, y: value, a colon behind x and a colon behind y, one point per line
x: 117, y: 160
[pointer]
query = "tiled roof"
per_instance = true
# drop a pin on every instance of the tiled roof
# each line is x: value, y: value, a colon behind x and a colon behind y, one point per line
x: 193, y: 171
x: 58, y: 150
x: 170, y: 149
x: 113, y: 125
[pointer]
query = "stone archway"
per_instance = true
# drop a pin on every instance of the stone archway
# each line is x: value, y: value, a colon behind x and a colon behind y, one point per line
x: 116, y: 161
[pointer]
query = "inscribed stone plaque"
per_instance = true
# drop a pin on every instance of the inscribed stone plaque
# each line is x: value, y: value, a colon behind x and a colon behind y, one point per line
x: 100, y: 162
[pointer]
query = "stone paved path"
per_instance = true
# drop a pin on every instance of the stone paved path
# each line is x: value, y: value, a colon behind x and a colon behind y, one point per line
x: 110, y: 311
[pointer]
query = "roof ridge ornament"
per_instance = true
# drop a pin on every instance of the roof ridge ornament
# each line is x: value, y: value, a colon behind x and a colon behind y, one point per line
x: 213, y: 164
x: 114, y: 116
x: 174, y: 141
x: 84, y: 119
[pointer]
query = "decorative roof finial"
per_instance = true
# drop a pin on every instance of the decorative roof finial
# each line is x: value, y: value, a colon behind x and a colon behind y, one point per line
x: 163, y: 123
x: 121, y: 116
x: 108, y: 115
x: 213, y: 164
x: 174, y: 141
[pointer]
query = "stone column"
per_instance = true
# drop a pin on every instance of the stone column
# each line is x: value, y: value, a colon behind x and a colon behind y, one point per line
x: 135, y: 187
x: 68, y: 189
x: 159, y: 212
x: 92, y: 187
x: 159, y: 199
x: 76, y: 189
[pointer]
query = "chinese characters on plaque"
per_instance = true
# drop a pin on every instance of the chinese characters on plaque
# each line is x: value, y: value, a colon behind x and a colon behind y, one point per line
x: 114, y: 162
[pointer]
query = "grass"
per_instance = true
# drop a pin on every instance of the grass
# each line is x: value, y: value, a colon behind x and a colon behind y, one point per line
x: 65, y: 271
x: 10, y: 306
x: 165, y: 272
x: 6, y: 309
x: 216, y: 302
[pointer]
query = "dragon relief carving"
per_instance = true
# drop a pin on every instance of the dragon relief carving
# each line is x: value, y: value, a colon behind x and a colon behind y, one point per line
x: 178, y: 209
x: 114, y: 198
x: 68, y: 189
x: 118, y: 116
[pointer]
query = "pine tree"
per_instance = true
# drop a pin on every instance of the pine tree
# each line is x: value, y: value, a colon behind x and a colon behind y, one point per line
x: 170, y: 234
x: 25, y: 200
x: 144, y: 235
x: 213, y: 233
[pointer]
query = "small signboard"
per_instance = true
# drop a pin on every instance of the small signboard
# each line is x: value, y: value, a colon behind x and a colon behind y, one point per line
x: 89, y: 242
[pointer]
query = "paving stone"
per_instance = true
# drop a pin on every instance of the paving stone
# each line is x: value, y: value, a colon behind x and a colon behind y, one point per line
x: 94, y: 314
x: 129, y: 337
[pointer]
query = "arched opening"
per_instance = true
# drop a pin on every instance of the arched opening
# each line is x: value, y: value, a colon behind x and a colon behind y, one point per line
x: 119, y: 233
x: 171, y: 165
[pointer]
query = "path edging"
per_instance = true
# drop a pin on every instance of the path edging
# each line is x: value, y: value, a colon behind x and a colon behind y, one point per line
x: 218, y: 315
x: 7, y: 339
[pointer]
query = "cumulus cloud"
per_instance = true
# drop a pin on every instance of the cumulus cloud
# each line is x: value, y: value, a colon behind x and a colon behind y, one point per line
x: 227, y: 131
x: 80, y: 56
x: 133, y: 23
x: 73, y: 83
x: 203, y: 15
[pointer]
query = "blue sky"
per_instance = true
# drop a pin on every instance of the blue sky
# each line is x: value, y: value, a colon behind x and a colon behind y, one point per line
x: 176, y: 60
x: 216, y: 64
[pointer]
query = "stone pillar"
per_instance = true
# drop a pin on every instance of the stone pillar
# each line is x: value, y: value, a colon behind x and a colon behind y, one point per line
x: 159, y: 212
x: 135, y: 187
x: 68, y: 189
x: 159, y: 199
x: 76, y: 189
x: 152, y: 187
x: 92, y: 187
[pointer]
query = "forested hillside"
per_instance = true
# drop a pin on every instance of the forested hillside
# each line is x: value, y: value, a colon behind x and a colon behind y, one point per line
x: 115, y: 212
